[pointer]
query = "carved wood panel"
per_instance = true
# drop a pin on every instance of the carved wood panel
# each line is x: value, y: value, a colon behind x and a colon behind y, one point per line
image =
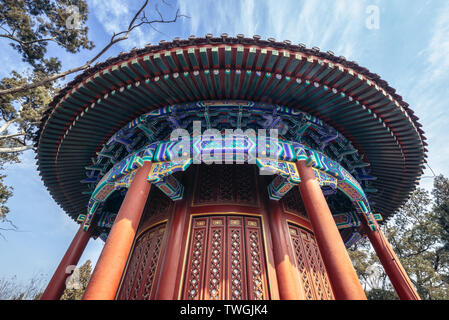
x: 139, y: 276
x: 292, y: 203
x: 226, y: 259
x: 157, y: 208
x: 226, y: 184
x: 255, y: 262
x: 309, y: 263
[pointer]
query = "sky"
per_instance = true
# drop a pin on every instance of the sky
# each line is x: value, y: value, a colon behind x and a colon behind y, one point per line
x: 408, y: 46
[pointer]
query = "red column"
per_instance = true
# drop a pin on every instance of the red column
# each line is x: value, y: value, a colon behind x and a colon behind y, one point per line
x: 167, y: 283
x: 342, y: 275
x: 56, y: 286
x: 108, y: 271
x: 287, y: 280
x: 393, y: 267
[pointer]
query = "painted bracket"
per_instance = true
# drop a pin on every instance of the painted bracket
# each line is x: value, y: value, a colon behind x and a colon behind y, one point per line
x: 161, y: 176
x: 287, y: 176
x: 345, y: 182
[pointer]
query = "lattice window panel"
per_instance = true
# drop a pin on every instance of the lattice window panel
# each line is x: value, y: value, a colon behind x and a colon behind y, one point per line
x: 139, y: 276
x: 226, y: 184
x: 315, y: 282
x: 158, y: 205
x: 292, y: 203
x: 226, y: 260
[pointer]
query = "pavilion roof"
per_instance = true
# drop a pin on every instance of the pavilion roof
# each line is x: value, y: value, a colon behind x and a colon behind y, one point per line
x: 356, y: 102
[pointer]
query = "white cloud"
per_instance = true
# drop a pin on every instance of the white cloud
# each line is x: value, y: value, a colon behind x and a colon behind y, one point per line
x: 333, y: 25
x: 218, y: 17
x: 248, y: 17
x: 428, y: 94
x: 438, y: 48
x: 329, y: 25
x: 191, y: 9
x: 115, y: 16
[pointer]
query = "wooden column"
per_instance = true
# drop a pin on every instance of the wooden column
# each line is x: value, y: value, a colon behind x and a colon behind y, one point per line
x: 106, y: 277
x: 393, y: 267
x: 288, y: 283
x: 167, y: 283
x: 56, y: 286
x: 342, y: 275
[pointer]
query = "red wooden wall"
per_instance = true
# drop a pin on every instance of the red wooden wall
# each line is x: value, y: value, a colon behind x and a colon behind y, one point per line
x: 226, y: 248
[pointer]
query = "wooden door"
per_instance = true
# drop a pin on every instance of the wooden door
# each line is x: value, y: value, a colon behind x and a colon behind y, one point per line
x: 226, y: 259
x: 140, y: 274
x: 309, y: 263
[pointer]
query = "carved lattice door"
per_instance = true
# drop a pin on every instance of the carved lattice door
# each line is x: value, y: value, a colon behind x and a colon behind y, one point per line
x: 226, y: 259
x: 140, y: 274
x: 309, y: 263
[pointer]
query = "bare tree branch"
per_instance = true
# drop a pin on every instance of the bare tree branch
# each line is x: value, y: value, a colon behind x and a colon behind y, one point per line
x: 8, y: 136
x: 6, y: 125
x: 16, y: 149
x: 116, y: 37
x: 26, y: 43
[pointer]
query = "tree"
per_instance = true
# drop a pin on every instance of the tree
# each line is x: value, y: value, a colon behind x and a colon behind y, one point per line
x: 30, y: 27
x: 418, y: 236
x: 12, y: 289
x: 140, y: 19
x: 370, y: 271
x: 77, y: 282
x: 441, y: 195
x: 5, y: 193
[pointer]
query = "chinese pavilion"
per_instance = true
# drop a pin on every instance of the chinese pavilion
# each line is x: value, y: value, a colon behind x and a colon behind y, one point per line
x: 229, y: 168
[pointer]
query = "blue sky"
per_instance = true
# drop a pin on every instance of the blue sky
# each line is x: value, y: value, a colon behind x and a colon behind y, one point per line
x: 410, y: 50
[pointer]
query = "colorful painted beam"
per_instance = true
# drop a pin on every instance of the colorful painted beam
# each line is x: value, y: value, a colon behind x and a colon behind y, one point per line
x: 171, y: 156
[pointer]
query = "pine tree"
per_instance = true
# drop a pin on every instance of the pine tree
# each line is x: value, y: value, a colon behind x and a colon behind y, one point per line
x: 31, y: 27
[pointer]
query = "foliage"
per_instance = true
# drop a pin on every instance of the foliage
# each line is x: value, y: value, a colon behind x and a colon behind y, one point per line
x: 5, y: 191
x: 77, y: 282
x: 418, y: 234
x: 21, y: 113
x: 31, y: 27
x: 11, y: 289
x: 381, y: 294
x: 33, y: 24
x: 369, y: 269
x: 441, y: 196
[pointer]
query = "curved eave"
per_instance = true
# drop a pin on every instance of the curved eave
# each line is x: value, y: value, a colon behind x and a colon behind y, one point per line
x: 355, y: 102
